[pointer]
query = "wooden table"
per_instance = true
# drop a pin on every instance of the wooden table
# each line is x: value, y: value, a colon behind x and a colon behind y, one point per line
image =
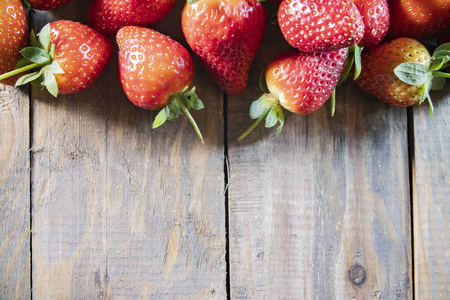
x: 96, y: 204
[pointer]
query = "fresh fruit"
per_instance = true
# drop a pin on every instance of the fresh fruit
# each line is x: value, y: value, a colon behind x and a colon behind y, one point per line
x: 14, y: 36
x: 108, y: 16
x: 156, y: 73
x: 418, y: 18
x: 401, y: 72
x: 47, y: 4
x: 320, y: 25
x: 300, y: 82
x: 225, y: 35
x: 67, y: 58
x: 375, y: 15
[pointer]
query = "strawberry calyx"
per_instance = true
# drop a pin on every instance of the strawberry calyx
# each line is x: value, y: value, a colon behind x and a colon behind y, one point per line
x: 427, y: 77
x: 353, y: 59
x: 38, y: 56
x: 180, y: 103
x: 266, y: 107
x: 27, y: 6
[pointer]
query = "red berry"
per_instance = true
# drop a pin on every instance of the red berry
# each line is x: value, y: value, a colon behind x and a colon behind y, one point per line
x: 320, y: 25
x: 300, y: 82
x: 108, y: 16
x: 81, y: 52
x: 418, y: 18
x: 225, y: 35
x: 14, y: 36
x: 375, y: 14
x: 47, y: 4
x: 377, y: 73
x: 156, y: 72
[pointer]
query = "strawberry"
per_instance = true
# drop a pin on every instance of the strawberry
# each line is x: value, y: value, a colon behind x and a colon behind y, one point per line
x: 401, y: 72
x: 108, y: 16
x: 225, y: 35
x: 47, y: 4
x: 14, y: 36
x: 156, y: 72
x: 418, y: 18
x: 68, y: 57
x: 375, y: 15
x: 300, y: 82
x: 320, y: 25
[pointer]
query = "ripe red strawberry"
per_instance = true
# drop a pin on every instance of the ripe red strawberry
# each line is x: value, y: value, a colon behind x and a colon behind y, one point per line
x: 14, y: 36
x: 108, y: 16
x: 300, y: 82
x: 320, y: 25
x: 225, y: 35
x: 156, y: 72
x: 68, y: 57
x: 375, y: 14
x: 418, y: 18
x: 47, y: 4
x: 401, y: 72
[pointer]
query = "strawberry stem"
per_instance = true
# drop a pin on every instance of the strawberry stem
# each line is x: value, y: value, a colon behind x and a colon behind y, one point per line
x: 256, y: 123
x: 190, y: 118
x: 441, y: 74
x: 18, y: 71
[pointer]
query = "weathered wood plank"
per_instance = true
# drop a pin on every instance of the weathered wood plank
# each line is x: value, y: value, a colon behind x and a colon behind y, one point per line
x: 431, y: 194
x: 121, y: 210
x: 326, y: 201
x: 14, y: 194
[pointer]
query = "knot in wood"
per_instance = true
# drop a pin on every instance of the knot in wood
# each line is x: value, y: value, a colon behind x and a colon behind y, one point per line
x: 357, y: 274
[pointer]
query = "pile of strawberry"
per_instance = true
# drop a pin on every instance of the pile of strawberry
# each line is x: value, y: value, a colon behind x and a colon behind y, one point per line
x: 374, y: 42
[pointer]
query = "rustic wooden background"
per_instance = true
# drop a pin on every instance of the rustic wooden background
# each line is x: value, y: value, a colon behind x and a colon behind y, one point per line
x: 94, y: 204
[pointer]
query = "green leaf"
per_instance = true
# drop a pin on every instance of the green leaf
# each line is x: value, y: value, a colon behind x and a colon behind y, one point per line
x: 33, y: 39
x: 23, y: 63
x: 196, y: 103
x: 281, y: 120
x: 348, y: 67
x: 28, y: 78
x: 357, y: 58
x: 50, y: 82
x: 441, y: 53
x: 26, y: 4
x: 262, y: 82
x: 161, y: 117
x: 55, y: 68
x: 173, y: 108
x: 44, y: 37
x: 52, y: 50
x: 258, y: 107
x: 442, y: 47
x: 413, y: 73
x: 437, y: 83
x: 439, y: 63
x: 36, y: 55
x: 272, y: 118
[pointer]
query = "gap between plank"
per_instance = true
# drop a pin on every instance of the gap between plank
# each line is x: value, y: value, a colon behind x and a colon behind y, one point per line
x: 226, y: 174
x: 30, y: 157
x: 411, y: 153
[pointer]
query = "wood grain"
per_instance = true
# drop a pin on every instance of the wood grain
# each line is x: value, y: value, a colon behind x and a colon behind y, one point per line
x: 323, y: 210
x: 431, y: 191
x: 122, y: 210
x: 15, y: 251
